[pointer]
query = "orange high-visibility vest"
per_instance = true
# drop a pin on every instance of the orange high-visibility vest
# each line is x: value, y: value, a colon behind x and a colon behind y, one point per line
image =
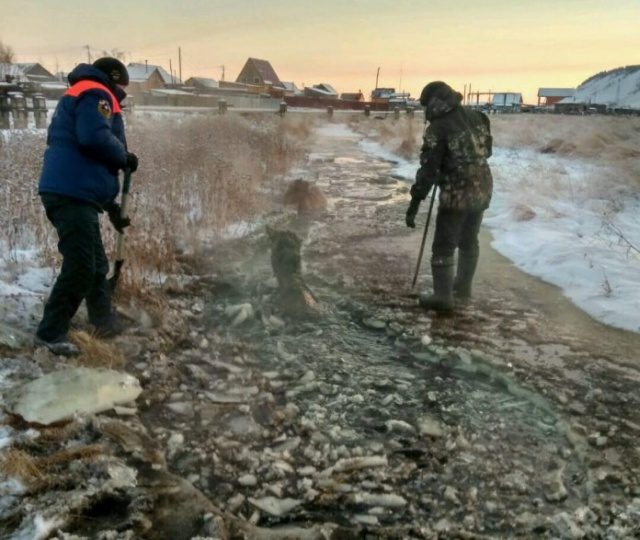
x: 83, y: 86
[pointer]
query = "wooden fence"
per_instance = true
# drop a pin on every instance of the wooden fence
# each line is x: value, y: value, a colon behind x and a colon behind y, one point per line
x: 15, y: 108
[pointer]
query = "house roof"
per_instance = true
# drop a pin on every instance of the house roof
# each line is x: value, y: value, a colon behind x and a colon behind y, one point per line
x: 506, y: 99
x: 21, y: 70
x: 142, y: 72
x: 290, y: 86
x: 203, y: 81
x: 266, y: 71
x: 326, y: 88
x: 556, y: 92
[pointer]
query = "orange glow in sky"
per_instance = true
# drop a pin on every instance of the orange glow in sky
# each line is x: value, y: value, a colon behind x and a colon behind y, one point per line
x: 497, y: 45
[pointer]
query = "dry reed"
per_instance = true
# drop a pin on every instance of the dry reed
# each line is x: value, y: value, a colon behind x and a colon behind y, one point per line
x: 38, y: 472
x: 95, y: 352
x: 196, y: 176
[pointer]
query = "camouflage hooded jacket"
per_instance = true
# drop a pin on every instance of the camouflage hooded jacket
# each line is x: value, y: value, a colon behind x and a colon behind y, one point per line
x: 456, y: 145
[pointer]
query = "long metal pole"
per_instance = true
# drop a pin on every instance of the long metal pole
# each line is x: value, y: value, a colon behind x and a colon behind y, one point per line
x: 424, y: 236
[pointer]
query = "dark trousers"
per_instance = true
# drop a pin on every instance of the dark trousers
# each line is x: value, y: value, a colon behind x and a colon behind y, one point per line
x: 457, y: 229
x: 83, y: 275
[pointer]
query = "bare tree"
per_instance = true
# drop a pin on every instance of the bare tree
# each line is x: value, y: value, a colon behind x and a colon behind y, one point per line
x: 115, y: 53
x: 7, y: 56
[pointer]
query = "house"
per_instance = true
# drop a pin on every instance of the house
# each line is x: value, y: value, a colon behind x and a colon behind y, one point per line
x: 550, y: 96
x: 144, y: 78
x: 506, y: 100
x: 28, y: 72
x: 290, y: 89
x: 382, y: 95
x: 258, y: 72
x: 325, y: 91
x: 202, y: 85
x: 352, y: 96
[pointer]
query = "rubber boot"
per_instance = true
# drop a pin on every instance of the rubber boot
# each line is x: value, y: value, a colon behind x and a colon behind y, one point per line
x: 467, y: 264
x: 442, y: 298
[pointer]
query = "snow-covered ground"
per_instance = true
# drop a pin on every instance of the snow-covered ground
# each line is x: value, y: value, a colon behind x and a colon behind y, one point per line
x: 563, y: 220
x: 23, y: 284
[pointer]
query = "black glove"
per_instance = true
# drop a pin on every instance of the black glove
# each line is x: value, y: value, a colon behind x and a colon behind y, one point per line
x: 132, y: 162
x: 420, y: 190
x: 412, y: 211
x: 119, y: 223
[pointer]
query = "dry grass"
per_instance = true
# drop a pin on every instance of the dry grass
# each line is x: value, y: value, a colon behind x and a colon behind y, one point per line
x: 38, y: 472
x: 403, y: 136
x: 196, y: 176
x: 95, y: 352
x: 18, y: 464
x: 604, y: 140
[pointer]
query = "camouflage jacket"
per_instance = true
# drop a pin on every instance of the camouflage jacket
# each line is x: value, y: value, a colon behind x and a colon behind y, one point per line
x: 457, y: 143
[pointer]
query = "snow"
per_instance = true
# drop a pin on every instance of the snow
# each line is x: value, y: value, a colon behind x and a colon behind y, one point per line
x: 339, y: 131
x: 403, y: 167
x: 38, y: 528
x: 617, y: 88
x: 551, y: 216
x: 571, y: 241
x: 23, y: 277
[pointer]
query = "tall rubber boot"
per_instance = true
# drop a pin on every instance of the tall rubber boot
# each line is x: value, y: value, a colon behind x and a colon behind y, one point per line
x: 467, y: 264
x: 442, y: 298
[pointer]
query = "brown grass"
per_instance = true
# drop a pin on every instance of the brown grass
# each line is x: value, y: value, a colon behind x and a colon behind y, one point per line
x: 37, y: 472
x: 605, y: 140
x: 17, y: 463
x: 96, y: 352
x: 196, y: 176
x: 581, y: 136
x: 611, y: 141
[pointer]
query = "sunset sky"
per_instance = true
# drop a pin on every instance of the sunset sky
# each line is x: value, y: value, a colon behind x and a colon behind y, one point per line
x: 499, y: 45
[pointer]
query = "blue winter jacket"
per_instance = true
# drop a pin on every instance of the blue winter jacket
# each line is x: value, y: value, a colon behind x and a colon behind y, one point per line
x: 86, y: 145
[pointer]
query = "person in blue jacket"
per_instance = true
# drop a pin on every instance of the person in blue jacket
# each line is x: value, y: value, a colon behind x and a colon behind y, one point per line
x: 86, y: 147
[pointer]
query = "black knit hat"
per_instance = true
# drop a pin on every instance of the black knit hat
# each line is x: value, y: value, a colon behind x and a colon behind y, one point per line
x: 436, y: 88
x: 114, y: 69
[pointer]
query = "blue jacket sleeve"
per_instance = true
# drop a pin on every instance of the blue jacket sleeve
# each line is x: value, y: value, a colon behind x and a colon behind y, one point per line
x: 94, y: 132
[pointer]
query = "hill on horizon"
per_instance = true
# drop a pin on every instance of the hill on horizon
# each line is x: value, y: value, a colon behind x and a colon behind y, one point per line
x: 618, y: 87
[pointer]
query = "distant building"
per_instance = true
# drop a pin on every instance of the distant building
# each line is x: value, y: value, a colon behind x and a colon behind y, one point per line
x: 352, y: 96
x: 144, y: 78
x: 258, y: 72
x: 322, y: 90
x: 550, y: 96
x: 202, y: 84
x: 382, y: 95
x: 26, y: 72
x: 506, y: 100
x: 290, y: 89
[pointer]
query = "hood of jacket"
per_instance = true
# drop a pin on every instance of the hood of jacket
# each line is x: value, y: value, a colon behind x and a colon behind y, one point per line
x: 86, y: 72
x: 438, y: 99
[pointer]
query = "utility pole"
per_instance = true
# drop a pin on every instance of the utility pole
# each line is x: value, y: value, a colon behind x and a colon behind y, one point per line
x: 464, y: 95
x: 171, y: 71
x: 377, y: 75
x: 180, y: 64
x: 88, y: 53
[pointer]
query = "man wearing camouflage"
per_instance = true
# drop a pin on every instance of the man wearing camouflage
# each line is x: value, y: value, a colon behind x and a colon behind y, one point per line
x: 457, y: 143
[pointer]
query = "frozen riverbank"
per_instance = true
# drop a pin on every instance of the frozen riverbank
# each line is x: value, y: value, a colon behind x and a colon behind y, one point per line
x: 562, y: 220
